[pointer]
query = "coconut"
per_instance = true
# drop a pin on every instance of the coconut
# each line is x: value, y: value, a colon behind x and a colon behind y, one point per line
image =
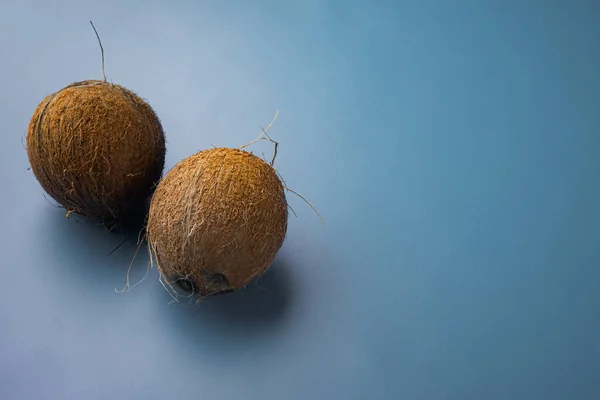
x: 97, y: 149
x: 217, y: 220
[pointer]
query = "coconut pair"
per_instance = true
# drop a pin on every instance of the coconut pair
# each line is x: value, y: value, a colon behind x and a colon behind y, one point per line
x: 216, y: 220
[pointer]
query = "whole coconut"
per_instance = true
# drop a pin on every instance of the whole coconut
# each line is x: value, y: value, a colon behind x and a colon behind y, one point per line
x: 97, y: 149
x: 217, y: 220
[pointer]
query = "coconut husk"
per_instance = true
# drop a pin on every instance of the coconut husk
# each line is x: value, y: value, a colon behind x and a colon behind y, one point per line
x: 97, y: 149
x: 217, y: 220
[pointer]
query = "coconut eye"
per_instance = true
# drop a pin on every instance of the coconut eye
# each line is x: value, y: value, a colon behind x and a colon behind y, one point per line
x: 187, y: 285
x: 216, y: 280
x: 212, y: 282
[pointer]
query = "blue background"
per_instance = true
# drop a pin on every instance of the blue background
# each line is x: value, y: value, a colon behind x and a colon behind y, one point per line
x: 452, y: 148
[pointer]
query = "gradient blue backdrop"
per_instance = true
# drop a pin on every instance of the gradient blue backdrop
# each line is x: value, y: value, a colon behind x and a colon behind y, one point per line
x: 452, y: 147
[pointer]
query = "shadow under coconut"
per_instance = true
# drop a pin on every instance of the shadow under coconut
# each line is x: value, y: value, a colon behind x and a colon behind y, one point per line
x: 90, y: 258
x: 233, y: 320
x: 264, y: 301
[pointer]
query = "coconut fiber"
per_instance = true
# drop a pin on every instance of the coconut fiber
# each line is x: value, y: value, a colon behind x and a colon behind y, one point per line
x: 96, y: 148
x: 217, y: 221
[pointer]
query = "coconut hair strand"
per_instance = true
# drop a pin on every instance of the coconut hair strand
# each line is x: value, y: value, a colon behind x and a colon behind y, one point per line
x: 101, y: 50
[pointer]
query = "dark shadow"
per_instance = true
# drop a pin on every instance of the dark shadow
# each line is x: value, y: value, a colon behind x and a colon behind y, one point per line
x: 232, y: 320
x: 133, y: 222
x: 88, y: 257
x: 265, y: 301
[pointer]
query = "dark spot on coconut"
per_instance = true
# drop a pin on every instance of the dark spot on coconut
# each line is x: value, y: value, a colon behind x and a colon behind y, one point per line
x: 208, y: 284
x: 216, y: 283
x: 215, y: 280
x: 187, y: 285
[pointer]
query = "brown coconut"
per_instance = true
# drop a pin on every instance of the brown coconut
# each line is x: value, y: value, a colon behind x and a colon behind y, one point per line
x: 217, y: 220
x: 97, y: 149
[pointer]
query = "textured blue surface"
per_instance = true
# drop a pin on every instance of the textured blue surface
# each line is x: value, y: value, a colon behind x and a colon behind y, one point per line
x: 452, y: 147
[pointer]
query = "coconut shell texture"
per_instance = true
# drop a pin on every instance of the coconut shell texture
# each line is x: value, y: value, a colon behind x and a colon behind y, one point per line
x: 217, y: 220
x: 97, y: 149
